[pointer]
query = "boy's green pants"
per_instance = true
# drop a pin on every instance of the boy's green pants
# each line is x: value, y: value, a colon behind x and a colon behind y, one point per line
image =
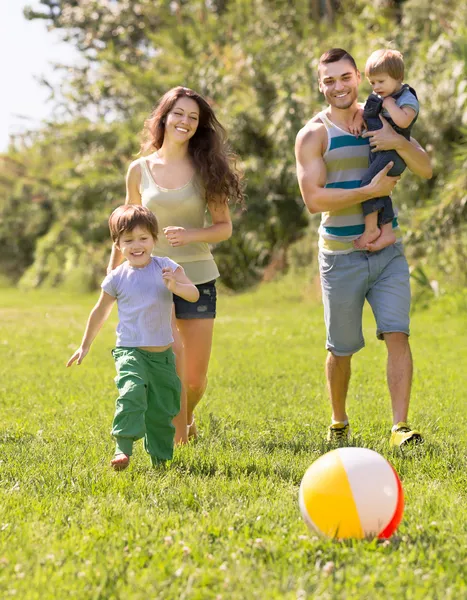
x: 149, y: 399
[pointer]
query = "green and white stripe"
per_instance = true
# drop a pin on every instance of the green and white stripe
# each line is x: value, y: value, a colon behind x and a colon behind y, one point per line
x: 346, y: 159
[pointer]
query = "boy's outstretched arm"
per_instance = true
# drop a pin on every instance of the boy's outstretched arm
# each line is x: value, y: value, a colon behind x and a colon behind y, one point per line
x: 178, y: 283
x: 97, y: 318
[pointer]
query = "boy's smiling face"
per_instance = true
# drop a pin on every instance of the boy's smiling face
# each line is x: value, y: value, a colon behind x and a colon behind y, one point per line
x: 136, y: 246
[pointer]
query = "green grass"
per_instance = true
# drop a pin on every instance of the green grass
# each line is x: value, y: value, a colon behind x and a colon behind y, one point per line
x: 222, y: 521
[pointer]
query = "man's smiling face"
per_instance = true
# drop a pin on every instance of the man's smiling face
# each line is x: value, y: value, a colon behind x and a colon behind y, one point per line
x: 339, y: 82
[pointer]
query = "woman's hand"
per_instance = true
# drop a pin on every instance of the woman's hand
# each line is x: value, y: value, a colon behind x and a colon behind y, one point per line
x: 383, y: 139
x: 177, y: 236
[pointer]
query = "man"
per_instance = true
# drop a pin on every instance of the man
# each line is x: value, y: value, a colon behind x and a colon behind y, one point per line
x: 330, y: 165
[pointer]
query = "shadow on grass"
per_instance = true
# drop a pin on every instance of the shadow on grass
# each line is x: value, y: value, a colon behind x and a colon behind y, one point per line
x: 18, y: 437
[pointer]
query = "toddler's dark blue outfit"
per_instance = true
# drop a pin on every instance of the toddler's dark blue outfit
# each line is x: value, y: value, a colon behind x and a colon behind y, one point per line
x: 406, y: 96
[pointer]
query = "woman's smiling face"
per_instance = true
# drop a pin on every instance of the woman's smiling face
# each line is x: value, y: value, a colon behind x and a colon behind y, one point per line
x: 182, y: 120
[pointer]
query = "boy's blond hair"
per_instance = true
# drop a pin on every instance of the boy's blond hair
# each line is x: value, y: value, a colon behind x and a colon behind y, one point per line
x: 385, y: 61
x: 125, y: 218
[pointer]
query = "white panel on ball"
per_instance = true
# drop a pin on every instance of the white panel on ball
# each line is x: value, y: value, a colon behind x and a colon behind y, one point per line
x: 374, y: 487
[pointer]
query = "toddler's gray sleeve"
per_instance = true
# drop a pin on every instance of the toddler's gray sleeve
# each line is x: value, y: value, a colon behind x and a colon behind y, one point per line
x: 168, y: 262
x: 408, y: 99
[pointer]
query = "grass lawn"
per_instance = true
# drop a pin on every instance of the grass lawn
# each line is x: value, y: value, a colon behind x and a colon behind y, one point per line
x: 222, y: 520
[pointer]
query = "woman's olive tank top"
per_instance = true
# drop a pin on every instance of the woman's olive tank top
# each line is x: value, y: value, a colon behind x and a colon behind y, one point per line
x: 180, y: 207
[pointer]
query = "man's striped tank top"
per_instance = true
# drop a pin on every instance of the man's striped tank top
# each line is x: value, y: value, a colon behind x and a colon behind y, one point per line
x: 346, y: 159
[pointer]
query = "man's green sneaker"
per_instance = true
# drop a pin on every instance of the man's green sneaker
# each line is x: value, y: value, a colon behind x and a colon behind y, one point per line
x: 338, y: 433
x: 403, y: 435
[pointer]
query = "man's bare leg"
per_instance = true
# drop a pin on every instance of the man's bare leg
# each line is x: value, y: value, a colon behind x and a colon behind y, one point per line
x: 399, y: 374
x: 338, y: 377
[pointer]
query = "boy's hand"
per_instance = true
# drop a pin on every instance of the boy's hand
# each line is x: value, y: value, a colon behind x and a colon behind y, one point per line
x: 168, y: 276
x: 176, y: 236
x: 358, y: 123
x: 389, y: 101
x: 78, y: 356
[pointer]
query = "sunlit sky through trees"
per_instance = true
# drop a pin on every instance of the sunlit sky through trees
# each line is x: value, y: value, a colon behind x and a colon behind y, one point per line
x: 27, y: 51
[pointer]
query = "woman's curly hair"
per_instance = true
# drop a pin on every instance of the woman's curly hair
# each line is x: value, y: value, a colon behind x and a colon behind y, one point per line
x: 208, y: 148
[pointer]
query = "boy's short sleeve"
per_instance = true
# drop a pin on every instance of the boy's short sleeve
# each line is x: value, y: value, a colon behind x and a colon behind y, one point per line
x: 108, y: 285
x: 168, y: 262
x: 408, y: 99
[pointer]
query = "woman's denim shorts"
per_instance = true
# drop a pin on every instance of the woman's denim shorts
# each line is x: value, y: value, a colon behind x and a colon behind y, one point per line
x: 204, y: 308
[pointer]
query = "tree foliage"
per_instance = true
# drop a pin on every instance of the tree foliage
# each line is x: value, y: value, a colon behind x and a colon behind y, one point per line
x: 255, y: 60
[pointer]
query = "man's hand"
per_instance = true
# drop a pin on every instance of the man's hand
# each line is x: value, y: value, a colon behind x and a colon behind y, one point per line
x: 78, y: 356
x: 383, y: 139
x: 381, y: 184
x: 177, y: 236
x: 169, y: 278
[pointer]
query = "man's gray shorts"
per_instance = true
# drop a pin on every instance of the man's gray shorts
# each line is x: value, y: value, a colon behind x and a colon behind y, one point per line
x: 347, y: 280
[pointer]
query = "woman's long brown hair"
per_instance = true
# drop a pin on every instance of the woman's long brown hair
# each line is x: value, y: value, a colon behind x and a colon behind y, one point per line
x: 213, y: 161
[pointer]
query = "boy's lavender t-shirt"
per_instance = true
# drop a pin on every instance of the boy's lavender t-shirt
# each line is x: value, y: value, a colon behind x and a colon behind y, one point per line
x: 144, y: 303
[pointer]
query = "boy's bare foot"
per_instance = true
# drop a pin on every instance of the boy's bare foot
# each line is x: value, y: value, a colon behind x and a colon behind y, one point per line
x: 387, y: 238
x: 120, y: 462
x: 192, y: 431
x: 368, y: 236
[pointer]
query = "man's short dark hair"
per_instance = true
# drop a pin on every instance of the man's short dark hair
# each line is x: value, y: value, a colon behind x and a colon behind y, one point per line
x: 126, y: 218
x: 336, y: 54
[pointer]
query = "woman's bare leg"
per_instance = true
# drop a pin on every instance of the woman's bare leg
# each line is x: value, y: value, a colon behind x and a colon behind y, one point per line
x: 196, y: 336
x: 180, y: 421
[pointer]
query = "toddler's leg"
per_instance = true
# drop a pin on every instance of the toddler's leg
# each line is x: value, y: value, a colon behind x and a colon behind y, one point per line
x: 371, y: 233
x: 120, y: 461
x: 371, y: 208
x: 387, y: 237
x: 128, y: 424
x: 163, y: 404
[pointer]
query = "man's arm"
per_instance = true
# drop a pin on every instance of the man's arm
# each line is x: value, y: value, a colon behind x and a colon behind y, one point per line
x: 311, y: 174
x: 414, y: 156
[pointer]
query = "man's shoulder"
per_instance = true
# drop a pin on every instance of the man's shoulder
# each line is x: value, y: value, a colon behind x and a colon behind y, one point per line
x: 312, y: 131
x: 316, y: 123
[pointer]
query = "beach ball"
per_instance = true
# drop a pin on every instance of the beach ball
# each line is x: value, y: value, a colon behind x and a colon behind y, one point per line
x: 352, y: 493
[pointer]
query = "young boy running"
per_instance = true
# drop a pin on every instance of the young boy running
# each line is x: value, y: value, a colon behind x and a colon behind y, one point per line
x: 148, y: 385
x: 398, y: 104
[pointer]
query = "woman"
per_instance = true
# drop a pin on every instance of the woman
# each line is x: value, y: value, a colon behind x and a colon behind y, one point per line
x: 185, y: 168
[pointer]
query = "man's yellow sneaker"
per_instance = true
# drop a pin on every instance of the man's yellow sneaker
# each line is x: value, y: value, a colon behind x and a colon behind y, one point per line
x: 338, y: 433
x: 403, y: 434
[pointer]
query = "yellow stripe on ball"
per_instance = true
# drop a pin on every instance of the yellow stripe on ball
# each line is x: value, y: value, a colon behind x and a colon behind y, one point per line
x: 327, y: 498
